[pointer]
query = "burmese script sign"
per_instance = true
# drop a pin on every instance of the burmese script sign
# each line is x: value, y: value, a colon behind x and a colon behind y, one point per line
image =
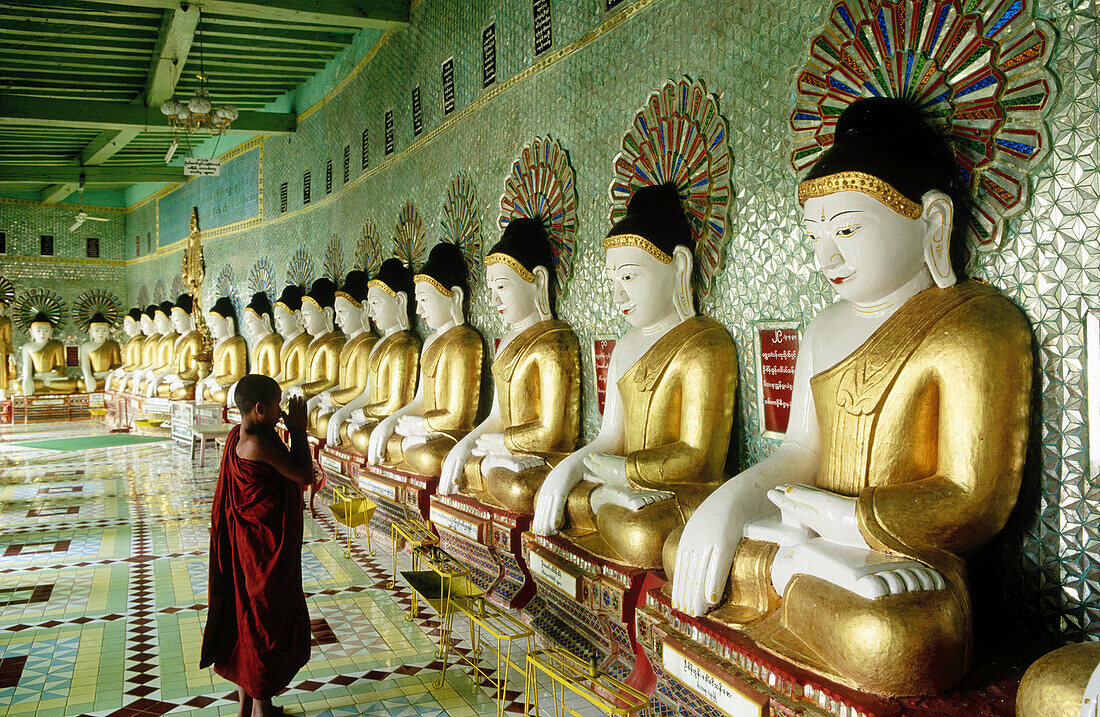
x: 555, y: 572
x: 724, y: 692
x: 544, y: 26
x: 202, y: 167
x: 601, y: 360
x: 776, y: 353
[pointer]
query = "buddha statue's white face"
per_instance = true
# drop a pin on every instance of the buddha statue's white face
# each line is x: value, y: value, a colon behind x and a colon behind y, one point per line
x: 349, y: 317
x: 220, y: 327
x: 181, y: 321
x: 387, y: 312
x: 642, y: 287
x: 285, y: 321
x: 432, y: 305
x: 314, y: 320
x: 131, y: 327
x: 865, y: 249
x: 162, y: 323
x: 148, y: 326
x: 99, y: 333
x: 256, y: 325
x: 515, y: 299
x: 40, y: 332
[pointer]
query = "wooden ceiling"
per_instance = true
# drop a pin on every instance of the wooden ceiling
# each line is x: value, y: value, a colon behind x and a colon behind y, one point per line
x: 81, y: 82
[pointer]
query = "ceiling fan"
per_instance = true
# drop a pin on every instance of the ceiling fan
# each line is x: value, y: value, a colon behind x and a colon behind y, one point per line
x: 81, y: 215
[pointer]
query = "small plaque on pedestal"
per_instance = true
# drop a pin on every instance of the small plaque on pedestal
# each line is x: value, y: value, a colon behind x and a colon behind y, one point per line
x: 377, y: 487
x: 724, y: 692
x: 555, y: 572
x: 449, y: 521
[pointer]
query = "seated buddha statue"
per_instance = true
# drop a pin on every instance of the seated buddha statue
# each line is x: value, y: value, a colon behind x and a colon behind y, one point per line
x: 44, y: 366
x: 288, y: 322
x: 229, y: 362
x: 149, y: 349
x: 7, y: 352
x: 393, y: 364
x: 165, y: 349
x: 99, y: 355
x: 535, y: 418
x: 259, y: 322
x: 322, y: 364
x: 418, y: 436
x: 354, y: 357
x: 662, y: 446
x: 179, y: 380
x: 844, y: 550
x: 131, y: 350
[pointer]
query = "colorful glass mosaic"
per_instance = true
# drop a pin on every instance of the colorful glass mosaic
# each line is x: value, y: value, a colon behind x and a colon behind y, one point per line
x: 680, y: 137
x: 32, y: 302
x: 300, y: 269
x: 542, y: 184
x: 368, y: 250
x: 460, y: 223
x: 408, y: 236
x: 96, y: 301
x: 261, y: 278
x: 332, y: 262
x: 976, y: 70
x: 7, y: 291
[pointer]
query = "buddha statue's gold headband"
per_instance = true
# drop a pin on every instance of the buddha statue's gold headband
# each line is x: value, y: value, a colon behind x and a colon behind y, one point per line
x: 511, y: 263
x: 638, y: 241
x: 432, y: 282
x: 349, y: 297
x: 313, y: 301
x: 379, y: 284
x: 862, y: 182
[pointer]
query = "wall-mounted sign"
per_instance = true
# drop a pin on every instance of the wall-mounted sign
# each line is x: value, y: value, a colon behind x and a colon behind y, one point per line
x: 448, y: 86
x: 544, y: 26
x: 602, y: 346
x: 202, y: 167
x: 612, y: 4
x: 489, y: 55
x: 776, y: 354
x: 418, y: 116
x: 389, y: 131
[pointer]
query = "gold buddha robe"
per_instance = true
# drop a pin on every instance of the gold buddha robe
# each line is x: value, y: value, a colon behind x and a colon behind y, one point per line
x: 450, y: 371
x: 925, y: 425
x: 538, y: 388
x: 131, y: 360
x: 229, y: 365
x: 163, y: 360
x: 392, y: 369
x: 354, y: 377
x: 294, y: 361
x: 323, y: 362
x: 184, y: 365
x: 50, y: 359
x: 7, y: 354
x: 677, y: 415
x: 266, y: 357
x: 106, y: 358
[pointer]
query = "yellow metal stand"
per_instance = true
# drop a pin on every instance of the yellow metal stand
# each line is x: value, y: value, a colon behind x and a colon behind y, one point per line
x: 569, y: 672
x: 352, y: 511
x: 417, y: 534
x: 487, y: 618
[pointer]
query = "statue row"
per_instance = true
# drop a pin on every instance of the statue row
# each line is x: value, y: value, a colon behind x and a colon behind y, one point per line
x: 844, y: 551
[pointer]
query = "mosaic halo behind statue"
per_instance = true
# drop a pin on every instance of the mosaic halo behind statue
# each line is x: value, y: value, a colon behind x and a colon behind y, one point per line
x: 224, y: 285
x: 680, y: 137
x: 96, y: 301
x: 368, y: 251
x: 143, y: 296
x: 261, y: 278
x: 542, y: 184
x: 34, y: 301
x: 460, y: 224
x: 408, y: 237
x: 300, y: 270
x: 7, y: 292
x: 160, y: 292
x: 979, y: 75
x: 332, y: 263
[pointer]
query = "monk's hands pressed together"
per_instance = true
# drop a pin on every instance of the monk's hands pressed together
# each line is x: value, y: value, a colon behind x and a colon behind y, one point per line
x: 295, y: 416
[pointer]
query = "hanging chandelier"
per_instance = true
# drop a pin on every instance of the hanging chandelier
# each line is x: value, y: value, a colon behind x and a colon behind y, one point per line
x: 198, y: 114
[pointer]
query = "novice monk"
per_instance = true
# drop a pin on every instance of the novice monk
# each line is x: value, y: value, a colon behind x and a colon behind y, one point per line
x: 257, y: 631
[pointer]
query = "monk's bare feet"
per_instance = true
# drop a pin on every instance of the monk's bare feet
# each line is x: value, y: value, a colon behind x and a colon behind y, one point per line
x: 264, y: 708
x: 245, y: 704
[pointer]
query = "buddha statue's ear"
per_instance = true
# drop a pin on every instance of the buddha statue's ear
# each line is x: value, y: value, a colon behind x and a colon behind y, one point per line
x: 542, y: 284
x: 330, y: 316
x: 232, y: 324
x: 683, y: 262
x: 936, y: 222
x: 403, y: 310
x: 457, y: 297
x: 268, y: 322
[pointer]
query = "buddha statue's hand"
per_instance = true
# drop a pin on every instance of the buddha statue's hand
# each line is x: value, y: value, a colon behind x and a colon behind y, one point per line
x: 293, y: 391
x: 411, y: 425
x: 321, y: 401
x: 450, y: 477
x: 89, y: 383
x: 607, y: 469
x: 865, y: 572
x: 552, y: 496
x: 376, y: 451
x: 516, y: 463
x: 337, y: 419
x: 357, y: 416
x: 417, y: 439
x: 490, y: 444
x: 633, y: 499
x: 827, y: 514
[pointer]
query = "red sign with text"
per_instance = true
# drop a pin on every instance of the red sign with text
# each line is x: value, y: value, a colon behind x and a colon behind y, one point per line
x: 601, y: 351
x: 778, y: 353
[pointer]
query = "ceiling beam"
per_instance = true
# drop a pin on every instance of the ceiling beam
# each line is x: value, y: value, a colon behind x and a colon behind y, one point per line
x: 381, y: 14
x: 21, y: 110
x: 12, y: 173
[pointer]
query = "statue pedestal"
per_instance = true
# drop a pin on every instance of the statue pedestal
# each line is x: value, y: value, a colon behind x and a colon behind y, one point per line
x: 587, y: 604
x: 486, y: 539
x: 699, y: 662
x: 50, y: 407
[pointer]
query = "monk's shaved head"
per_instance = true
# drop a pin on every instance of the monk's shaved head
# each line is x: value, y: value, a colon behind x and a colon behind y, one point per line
x: 255, y: 388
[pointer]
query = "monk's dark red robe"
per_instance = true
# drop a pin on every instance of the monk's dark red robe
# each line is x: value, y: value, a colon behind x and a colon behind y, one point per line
x: 257, y: 630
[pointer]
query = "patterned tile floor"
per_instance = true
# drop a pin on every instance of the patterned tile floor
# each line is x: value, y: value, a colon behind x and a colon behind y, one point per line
x: 103, y: 560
